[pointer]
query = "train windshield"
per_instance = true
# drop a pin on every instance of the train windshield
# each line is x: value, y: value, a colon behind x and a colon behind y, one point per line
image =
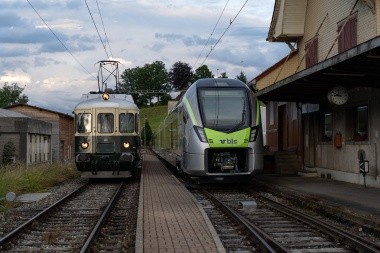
x: 224, y: 109
x: 83, y: 122
x: 105, y: 123
x: 127, y: 124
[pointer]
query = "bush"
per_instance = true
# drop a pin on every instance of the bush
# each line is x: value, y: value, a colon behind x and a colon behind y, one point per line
x: 9, y: 152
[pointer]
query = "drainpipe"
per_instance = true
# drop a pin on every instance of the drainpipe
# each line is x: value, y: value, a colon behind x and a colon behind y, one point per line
x: 377, y: 172
x: 299, y: 107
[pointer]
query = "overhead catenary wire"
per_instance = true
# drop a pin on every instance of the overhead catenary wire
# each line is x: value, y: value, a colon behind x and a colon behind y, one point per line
x: 104, y: 29
x: 217, y: 22
x: 231, y: 22
x: 100, y: 37
x: 59, y: 39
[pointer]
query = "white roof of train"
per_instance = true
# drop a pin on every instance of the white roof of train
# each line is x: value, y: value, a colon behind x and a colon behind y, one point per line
x: 115, y: 101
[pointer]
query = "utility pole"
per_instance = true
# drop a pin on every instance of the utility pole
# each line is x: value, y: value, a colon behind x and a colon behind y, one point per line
x: 144, y: 133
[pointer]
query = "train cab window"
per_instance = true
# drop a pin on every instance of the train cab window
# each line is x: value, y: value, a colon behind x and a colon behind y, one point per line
x: 126, y: 124
x: 224, y: 109
x: 105, y: 123
x: 83, y: 122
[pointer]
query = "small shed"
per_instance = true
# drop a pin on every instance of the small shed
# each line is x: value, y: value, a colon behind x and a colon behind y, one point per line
x: 30, y: 137
x: 63, y: 129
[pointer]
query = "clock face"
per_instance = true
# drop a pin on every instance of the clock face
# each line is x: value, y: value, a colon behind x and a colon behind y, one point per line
x: 338, y: 95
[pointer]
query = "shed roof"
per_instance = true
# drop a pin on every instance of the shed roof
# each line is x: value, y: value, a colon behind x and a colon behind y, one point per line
x: 41, y: 109
x: 11, y: 114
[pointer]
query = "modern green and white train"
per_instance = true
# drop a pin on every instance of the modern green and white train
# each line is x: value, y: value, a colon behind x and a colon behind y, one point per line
x: 214, y: 133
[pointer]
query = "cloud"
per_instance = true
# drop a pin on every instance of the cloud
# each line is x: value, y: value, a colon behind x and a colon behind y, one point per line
x: 15, y: 30
x: 17, y: 76
x: 8, y: 51
x: 139, y: 32
x: 193, y: 40
x: 45, y: 61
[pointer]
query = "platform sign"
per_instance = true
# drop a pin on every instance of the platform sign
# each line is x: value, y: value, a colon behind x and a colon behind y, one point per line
x: 364, y: 166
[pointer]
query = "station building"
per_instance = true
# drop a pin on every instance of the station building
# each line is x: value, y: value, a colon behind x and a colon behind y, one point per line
x: 323, y: 98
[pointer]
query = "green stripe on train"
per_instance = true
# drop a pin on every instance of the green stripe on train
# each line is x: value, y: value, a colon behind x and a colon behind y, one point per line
x: 190, y: 111
x: 237, y: 139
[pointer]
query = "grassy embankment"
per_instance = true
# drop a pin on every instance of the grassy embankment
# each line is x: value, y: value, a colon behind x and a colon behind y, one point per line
x: 39, y: 178
x: 154, y: 116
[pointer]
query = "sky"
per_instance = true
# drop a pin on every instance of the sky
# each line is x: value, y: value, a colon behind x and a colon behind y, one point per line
x: 54, y: 58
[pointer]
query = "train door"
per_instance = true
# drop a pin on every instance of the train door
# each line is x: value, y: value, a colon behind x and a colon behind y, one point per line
x: 106, y: 126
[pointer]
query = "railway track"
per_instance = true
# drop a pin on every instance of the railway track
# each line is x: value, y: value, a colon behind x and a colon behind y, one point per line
x: 247, y: 222
x: 91, y: 218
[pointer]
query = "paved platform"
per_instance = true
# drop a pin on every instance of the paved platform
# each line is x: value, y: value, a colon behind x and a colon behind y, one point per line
x: 346, y: 195
x: 170, y: 219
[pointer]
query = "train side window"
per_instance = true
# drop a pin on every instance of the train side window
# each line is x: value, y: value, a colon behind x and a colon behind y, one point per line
x: 83, y: 122
x: 137, y: 120
x: 126, y: 124
x: 185, y: 116
x: 105, y: 123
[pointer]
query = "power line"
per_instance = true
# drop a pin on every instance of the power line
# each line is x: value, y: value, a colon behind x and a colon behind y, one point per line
x: 231, y: 21
x: 105, y: 34
x: 211, y: 33
x: 97, y: 29
x: 60, y: 40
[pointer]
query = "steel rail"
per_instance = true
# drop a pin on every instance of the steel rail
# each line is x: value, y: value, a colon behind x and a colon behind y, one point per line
x: 8, y: 237
x: 265, y: 240
x: 102, y: 218
x: 339, y: 234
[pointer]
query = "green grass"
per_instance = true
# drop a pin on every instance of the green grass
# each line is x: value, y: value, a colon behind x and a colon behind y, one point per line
x: 154, y: 115
x: 39, y: 178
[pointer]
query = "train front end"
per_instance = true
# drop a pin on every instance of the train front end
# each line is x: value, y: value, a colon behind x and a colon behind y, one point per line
x: 223, y: 141
x: 107, y: 140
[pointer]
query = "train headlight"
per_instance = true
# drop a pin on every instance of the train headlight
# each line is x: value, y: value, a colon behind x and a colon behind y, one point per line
x: 126, y: 144
x: 201, y: 133
x: 84, y: 145
x: 254, y: 133
x: 105, y: 96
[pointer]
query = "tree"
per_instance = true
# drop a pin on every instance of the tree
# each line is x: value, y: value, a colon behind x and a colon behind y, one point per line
x: 223, y: 75
x: 180, y: 76
x: 146, y: 134
x: 9, y: 151
x: 155, y: 78
x: 202, y: 72
x: 12, y: 94
x: 242, y: 77
x: 139, y: 80
x: 164, y: 99
x: 131, y: 82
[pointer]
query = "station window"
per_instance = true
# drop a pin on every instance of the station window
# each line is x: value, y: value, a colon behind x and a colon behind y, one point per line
x: 311, y: 54
x: 83, y: 122
x: 105, y: 123
x: 357, y: 123
x: 126, y: 123
x: 347, y: 30
x: 327, y: 125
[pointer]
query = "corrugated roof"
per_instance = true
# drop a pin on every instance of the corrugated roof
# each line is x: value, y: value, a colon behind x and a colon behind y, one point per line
x: 11, y: 114
x: 41, y: 109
